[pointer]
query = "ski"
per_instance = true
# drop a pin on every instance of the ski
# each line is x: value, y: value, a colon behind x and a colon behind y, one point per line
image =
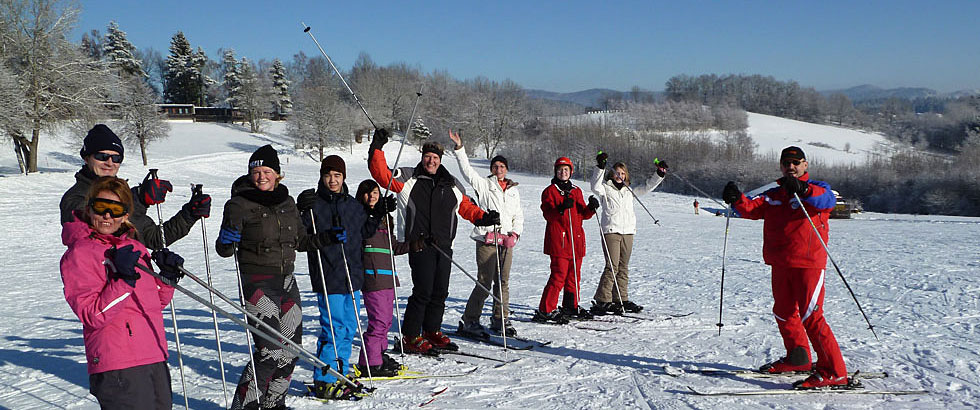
x: 409, y: 375
x: 755, y: 374
x: 434, y: 396
x: 767, y: 392
x: 467, y: 354
x: 580, y: 325
x: 354, y: 397
x: 521, y: 343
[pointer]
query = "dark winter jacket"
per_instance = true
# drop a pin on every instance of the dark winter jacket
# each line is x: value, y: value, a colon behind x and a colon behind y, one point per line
x: 331, y: 210
x: 557, y: 239
x: 378, y: 272
x: 428, y: 202
x: 788, y: 239
x: 149, y: 232
x: 270, y: 227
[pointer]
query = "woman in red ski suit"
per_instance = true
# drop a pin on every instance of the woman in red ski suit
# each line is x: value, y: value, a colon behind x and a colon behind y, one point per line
x: 798, y: 260
x: 564, y: 209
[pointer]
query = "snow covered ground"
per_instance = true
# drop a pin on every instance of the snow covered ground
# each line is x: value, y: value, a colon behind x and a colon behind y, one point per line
x: 824, y: 143
x: 917, y: 277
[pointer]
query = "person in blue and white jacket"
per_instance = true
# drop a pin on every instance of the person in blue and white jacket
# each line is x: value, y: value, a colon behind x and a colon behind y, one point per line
x: 499, y: 193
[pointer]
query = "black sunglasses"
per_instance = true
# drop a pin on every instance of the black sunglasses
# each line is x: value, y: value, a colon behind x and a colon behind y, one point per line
x: 786, y: 163
x: 101, y: 156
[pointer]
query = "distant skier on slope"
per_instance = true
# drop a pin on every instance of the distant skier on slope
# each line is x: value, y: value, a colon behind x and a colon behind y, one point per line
x: 499, y: 193
x: 564, y: 208
x: 618, y: 226
x: 102, y: 151
x: 798, y: 262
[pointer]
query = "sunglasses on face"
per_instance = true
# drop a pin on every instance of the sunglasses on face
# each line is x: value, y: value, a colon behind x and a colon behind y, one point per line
x: 101, y: 206
x: 101, y: 156
x: 787, y: 162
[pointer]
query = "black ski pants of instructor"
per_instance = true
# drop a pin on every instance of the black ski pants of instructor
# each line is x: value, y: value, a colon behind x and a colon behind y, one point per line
x: 430, y: 288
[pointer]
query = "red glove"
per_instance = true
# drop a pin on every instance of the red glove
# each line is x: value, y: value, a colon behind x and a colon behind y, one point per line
x: 154, y: 191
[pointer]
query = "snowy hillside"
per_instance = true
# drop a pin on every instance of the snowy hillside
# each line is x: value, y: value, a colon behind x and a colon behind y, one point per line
x: 917, y: 278
x: 824, y: 143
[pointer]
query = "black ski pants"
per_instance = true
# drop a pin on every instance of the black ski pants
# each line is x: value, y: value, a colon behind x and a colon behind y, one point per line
x: 138, y: 387
x: 430, y: 288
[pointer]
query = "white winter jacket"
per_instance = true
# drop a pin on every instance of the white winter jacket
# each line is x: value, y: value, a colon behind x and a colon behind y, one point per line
x: 617, y: 204
x: 490, y: 196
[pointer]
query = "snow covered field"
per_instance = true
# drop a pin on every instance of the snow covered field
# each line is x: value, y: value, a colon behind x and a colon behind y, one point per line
x: 824, y: 143
x: 917, y: 277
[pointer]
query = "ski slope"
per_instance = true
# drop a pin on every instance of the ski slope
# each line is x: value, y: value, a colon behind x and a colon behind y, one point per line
x: 917, y: 278
x: 824, y: 144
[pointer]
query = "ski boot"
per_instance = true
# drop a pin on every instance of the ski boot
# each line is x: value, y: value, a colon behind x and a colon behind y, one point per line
x: 440, y: 341
x: 796, y: 361
x: 577, y: 313
x: 554, y: 316
x: 816, y: 381
x: 472, y: 329
x: 508, y: 329
x: 631, y: 307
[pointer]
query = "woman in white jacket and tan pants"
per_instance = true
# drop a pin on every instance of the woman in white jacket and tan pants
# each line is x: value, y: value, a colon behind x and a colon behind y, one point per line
x: 618, y: 226
x: 493, y: 192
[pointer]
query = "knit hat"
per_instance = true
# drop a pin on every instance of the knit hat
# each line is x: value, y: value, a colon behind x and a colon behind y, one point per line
x: 265, y: 156
x: 501, y: 159
x: 333, y: 163
x: 100, y: 138
x: 433, y: 147
x: 792, y: 153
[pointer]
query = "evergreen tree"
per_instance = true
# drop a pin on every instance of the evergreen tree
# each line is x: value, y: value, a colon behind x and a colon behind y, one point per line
x: 420, y: 132
x: 232, y: 80
x: 184, y: 82
x: 119, y: 52
x: 281, y: 100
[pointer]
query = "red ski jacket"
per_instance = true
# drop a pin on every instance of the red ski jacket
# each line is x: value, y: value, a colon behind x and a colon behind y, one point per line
x: 788, y: 239
x: 557, y: 238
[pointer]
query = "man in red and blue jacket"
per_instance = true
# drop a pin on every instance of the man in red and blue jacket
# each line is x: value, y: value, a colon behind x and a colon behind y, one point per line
x: 798, y: 259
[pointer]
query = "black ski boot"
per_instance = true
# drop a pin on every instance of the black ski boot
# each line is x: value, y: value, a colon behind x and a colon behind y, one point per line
x: 577, y: 313
x: 472, y: 329
x: 631, y: 307
x: 554, y: 316
x: 508, y: 329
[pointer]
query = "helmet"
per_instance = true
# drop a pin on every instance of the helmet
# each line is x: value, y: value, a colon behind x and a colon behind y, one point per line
x: 565, y: 161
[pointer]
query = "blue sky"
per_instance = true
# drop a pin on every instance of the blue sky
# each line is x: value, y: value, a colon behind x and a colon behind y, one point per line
x: 575, y: 45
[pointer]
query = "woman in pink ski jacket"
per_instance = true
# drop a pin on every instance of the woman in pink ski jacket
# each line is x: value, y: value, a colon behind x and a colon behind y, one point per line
x: 120, y: 308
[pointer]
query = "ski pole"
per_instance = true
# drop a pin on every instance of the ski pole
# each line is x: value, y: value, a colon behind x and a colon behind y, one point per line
x: 724, y: 253
x: 816, y: 232
x: 436, y: 246
x: 173, y: 309
x: 500, y: 287
x: 612, y: 270
x: 306, y: 29
x: 575, y: 274
x: 706, y: 195
x: 394, y: 271
x: 326, y: 301
x: 248, y: 333
x: 655, y: 221
x: 353, y: 301
x: 195, y: 190
x: 271, y: 334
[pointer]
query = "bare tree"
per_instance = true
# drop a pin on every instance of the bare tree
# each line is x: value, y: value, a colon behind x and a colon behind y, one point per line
x: 142, y: 122
x: 12, y: 110
x: 59, y: 80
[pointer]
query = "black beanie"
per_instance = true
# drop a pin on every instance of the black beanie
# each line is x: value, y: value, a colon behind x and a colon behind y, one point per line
x: 100, y: 138
x: 433, y: 147
x: 265, y: 156
x: 501, y: 159
x: 333, y: 163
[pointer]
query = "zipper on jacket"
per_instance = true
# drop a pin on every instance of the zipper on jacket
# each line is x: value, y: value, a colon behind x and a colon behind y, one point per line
x: 129, y: 329
x: 282, y: 252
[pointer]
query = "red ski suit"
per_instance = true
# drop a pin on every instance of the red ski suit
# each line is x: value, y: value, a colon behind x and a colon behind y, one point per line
x: 798, y: 261
x: 559, y: 236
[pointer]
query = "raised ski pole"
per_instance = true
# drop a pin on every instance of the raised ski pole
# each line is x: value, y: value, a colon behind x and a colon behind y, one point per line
x: 271, y: 334
x: 195, y: 190
x: 500, y: 288
x: 248, y: 333
x: 817, y: 233
x: 306, y: 29
x: 724, y: 253
x: 697, y: 189
x: 326, y: 301
x: 173, y: 310
x: 394, y: 271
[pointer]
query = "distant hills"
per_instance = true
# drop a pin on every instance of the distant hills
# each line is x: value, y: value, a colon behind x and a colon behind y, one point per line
x: 592, y: 96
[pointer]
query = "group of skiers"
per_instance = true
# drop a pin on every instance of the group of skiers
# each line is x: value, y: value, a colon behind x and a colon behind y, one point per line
x: 350, y: 243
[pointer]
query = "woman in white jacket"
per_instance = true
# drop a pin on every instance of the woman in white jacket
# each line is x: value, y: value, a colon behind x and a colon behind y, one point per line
x: 618, y: 225
x: 494, y: 192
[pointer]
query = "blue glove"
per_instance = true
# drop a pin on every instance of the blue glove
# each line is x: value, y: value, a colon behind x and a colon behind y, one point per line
x: 124, y: 263
x: 339, y: 234
x: 228, y: 236
x: 170, y: 264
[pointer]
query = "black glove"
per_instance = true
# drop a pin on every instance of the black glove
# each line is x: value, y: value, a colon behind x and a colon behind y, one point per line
x: 199, y: 206
x: 380, y: 138
x: 793, y: 185
x: 593, y: 203
x: 305, y: 200
x: 170, y: 264
x: 124, y: 264
x: 600, y: 160
x: 385, y: 205
x: 417, y: 245
x: 489, y: 218
x: 567, y: 203
x: 731, y: 194
x: 661, y: 167
x: 153, y: 191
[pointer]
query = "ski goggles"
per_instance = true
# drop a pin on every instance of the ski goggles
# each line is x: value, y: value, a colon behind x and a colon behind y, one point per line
x: 787, y: 162
x: 101, y: 206
x: 101, y: 156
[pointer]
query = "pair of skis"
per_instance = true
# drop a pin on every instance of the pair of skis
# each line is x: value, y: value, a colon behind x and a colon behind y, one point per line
x: 513, y: 342
x: 854, y: 387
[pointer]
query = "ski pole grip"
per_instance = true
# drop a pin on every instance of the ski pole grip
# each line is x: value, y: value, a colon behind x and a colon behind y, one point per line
x: 197, y: 189
x: 153, y: 173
